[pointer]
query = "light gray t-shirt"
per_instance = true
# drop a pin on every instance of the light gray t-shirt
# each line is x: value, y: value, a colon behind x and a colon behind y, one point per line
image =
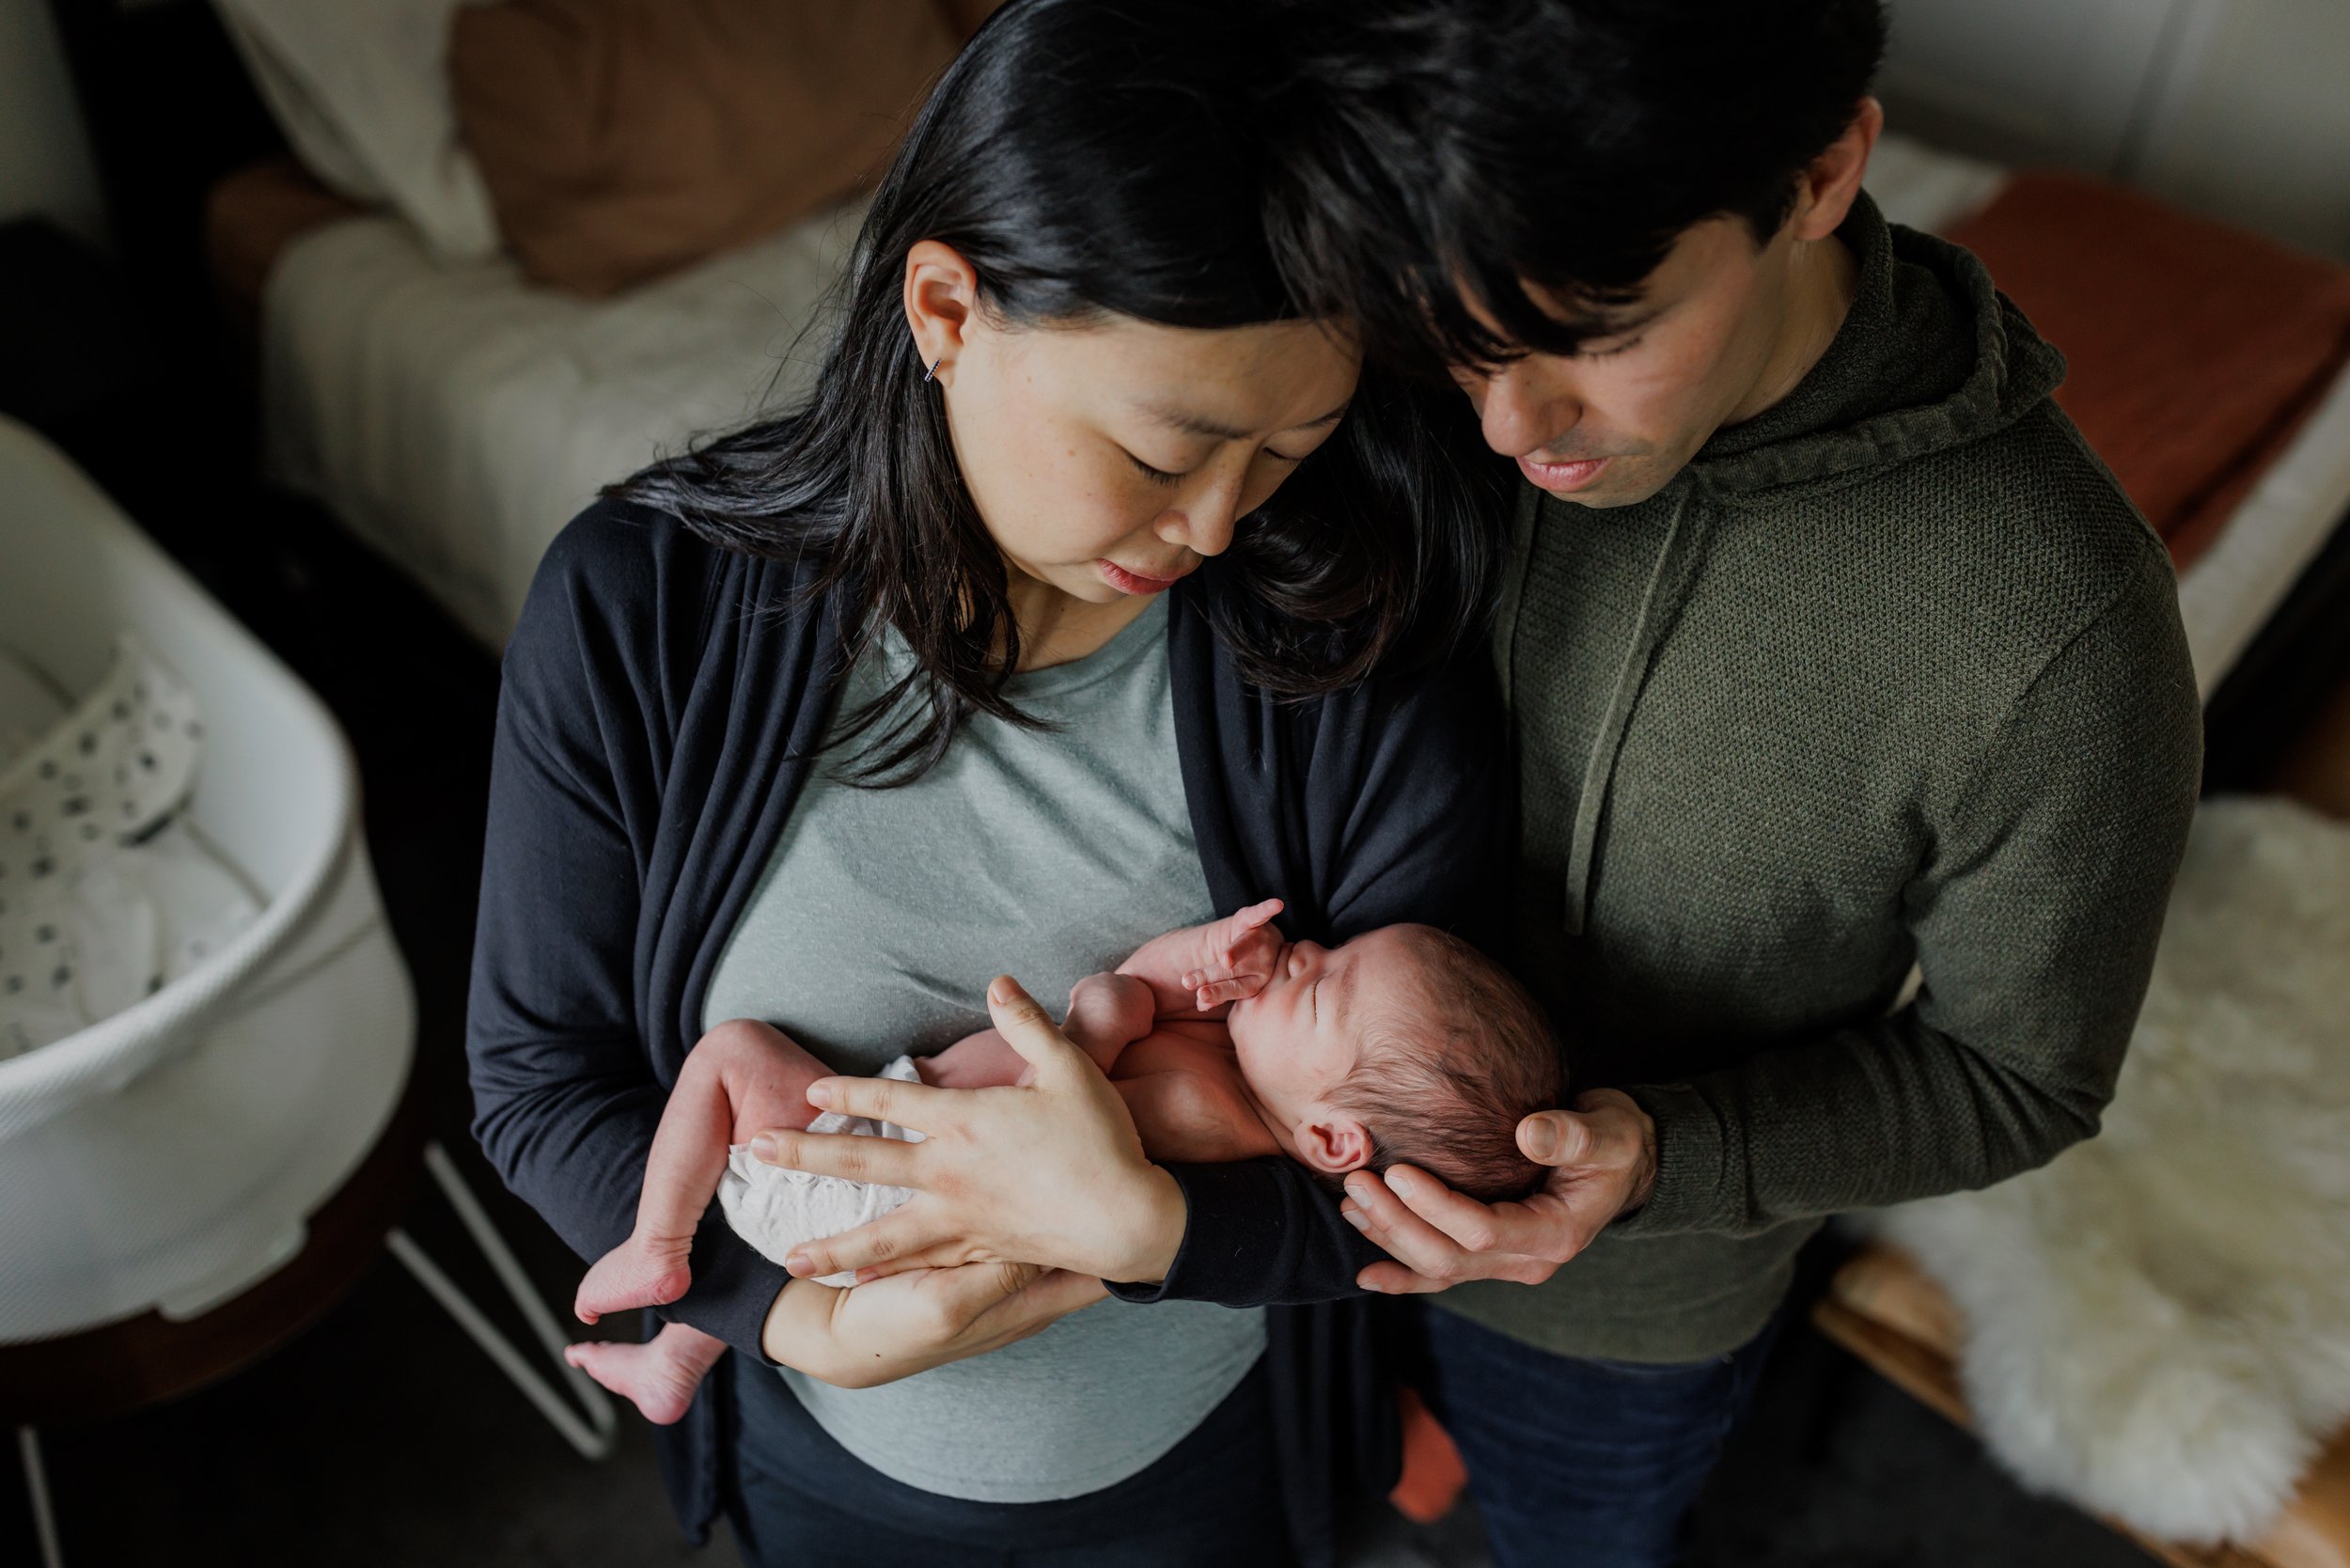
x: 1049, y: 856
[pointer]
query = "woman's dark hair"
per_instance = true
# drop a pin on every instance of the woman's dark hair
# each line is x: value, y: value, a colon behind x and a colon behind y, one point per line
x: 1090, y: 158
x: 1436, y: 153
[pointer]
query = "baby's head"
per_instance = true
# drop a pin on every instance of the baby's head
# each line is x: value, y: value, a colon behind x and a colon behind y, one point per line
x: 1403, y: 1046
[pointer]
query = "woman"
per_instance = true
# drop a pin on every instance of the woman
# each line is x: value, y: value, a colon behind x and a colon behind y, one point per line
x: 1089, y: 595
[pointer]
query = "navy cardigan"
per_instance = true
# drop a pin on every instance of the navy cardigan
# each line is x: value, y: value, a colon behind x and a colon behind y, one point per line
x: 662, y: 699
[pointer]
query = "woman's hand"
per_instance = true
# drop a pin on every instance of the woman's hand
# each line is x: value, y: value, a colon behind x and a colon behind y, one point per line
x: 1051, y: 1173
x: 1605, y: 1155
x: 913, y: 1322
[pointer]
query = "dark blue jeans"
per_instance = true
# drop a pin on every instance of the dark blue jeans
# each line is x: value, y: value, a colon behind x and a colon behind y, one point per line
x: 797, y: 1500
x: 1581, y: 1463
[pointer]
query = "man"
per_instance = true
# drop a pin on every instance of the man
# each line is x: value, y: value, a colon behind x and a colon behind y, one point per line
x: 1831, y: 651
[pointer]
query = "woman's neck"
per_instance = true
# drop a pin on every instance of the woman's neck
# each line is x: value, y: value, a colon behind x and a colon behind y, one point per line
x: 1057, y: 628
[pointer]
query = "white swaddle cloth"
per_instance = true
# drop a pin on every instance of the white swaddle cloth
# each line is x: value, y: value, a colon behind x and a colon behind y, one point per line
x: 106, y: 894
x: 776, y: 1210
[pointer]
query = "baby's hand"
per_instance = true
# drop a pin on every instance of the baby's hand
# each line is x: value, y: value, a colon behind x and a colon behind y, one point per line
x: 1240, y: 952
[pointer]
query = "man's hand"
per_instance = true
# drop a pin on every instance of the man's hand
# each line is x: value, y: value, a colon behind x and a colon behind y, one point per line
x: 1605, y: 1155
x: 910, y: 1323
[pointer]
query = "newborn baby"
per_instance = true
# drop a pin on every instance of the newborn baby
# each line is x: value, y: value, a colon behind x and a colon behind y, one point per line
x: 1405, y: 1045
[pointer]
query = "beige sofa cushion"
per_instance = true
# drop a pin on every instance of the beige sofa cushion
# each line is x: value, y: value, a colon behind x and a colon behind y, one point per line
x: 621, y: 140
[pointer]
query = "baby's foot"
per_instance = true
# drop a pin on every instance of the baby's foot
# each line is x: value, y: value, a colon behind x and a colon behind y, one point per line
x: 640, y: 1272
x: 659, y: 1378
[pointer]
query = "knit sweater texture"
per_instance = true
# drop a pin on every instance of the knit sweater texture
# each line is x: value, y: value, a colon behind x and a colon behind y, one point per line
x: 1889, y: 676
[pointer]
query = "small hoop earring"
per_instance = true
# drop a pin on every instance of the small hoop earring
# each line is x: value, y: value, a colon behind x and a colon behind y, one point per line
x: 931, y: 374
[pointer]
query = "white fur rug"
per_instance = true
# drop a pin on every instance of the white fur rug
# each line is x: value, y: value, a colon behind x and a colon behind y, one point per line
x: 2160, y: 1320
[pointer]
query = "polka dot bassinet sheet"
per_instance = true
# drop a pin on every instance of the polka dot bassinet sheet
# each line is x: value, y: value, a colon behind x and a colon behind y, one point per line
x: 107, y: 892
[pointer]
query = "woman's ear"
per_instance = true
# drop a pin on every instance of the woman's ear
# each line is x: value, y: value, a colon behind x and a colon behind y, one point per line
x: 1335, y: 1145
x: 942, y: 297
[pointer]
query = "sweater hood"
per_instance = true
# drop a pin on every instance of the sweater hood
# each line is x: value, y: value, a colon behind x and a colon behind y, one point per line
x: 1929, y: 357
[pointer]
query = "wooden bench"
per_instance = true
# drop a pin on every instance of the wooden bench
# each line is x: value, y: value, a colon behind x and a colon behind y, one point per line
x: 1883, y: 1308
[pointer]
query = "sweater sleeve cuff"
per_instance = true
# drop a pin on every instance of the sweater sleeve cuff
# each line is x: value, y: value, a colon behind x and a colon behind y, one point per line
x: 1210, y: 1205
x: 734, y: 1288
x: 1257, y: 1232
x: 1692, y: 1157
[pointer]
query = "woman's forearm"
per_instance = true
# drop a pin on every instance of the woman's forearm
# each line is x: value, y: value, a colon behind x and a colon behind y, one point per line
x: 1158, y: 1236
x: 909, y: 1323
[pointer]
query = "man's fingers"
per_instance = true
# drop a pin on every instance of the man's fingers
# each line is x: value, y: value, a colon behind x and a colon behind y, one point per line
x: 1612, y: 1122
x: 1554, y: 1137
x: 909, y: 1105
x: 1395, y: 1279
x: 1409, y: 1239
x: 850, y: 1155
x: 1602, y: 1130
x: 1477, y: 1227
x: 1027, y: 1028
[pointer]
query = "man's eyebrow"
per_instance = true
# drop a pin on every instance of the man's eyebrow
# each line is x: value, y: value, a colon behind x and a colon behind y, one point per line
x: 1199, y: 424
x: 1613, y: 323
x: 1579, y: 314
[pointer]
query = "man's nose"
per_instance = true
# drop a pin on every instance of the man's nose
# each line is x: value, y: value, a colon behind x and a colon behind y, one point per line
x: 1525, y: 409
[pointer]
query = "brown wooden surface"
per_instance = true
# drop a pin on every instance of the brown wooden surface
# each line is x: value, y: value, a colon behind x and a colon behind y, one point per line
x: 2317, y: 770
x: 1883, y: 1308
x: 107, y: 1372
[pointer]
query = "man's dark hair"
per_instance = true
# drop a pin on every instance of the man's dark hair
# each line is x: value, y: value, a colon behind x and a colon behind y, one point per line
x: 1435, y: 155
x: 1445, y: 1086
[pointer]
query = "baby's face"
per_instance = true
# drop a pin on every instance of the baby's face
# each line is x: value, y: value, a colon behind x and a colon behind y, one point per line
x: 1298, y: 1038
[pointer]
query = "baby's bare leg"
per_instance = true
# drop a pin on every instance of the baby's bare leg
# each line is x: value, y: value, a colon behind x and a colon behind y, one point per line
x: 740, y: 1077
x: 659, y: 1376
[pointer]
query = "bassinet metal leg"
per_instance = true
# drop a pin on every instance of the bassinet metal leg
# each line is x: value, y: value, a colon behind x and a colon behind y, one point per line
x: 36, y: 1487
x: 594, y: 1436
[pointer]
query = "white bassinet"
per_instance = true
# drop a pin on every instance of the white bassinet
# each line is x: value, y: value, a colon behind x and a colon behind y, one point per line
x: 166, y: 1156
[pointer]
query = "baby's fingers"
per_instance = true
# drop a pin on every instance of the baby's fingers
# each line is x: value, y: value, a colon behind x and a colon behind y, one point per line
x: 1238, y: 988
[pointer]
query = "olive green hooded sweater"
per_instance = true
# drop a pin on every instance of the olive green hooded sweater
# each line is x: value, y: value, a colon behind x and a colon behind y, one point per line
x: 1889, y: 675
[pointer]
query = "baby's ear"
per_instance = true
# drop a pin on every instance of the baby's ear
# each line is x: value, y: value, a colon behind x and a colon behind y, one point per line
x: 1334, y: 1145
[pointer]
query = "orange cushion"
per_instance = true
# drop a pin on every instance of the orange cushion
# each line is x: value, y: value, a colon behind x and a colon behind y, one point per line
x: 2195, y: 349
x: 621, y: 140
